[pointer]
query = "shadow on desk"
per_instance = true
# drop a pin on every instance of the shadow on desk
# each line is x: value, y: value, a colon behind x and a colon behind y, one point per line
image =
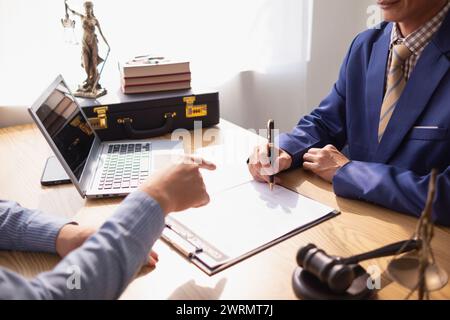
x: 194, y: 291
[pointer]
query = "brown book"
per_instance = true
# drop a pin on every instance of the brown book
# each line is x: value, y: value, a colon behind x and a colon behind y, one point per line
x: 157, y: 87
x: 140, y: 81
x: 147, y: 66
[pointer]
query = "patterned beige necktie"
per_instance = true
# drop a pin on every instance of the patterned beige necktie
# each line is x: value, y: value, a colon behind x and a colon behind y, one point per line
x: 396, y: 82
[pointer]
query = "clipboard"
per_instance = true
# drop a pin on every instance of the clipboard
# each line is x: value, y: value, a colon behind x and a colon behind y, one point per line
x: 207, y: 256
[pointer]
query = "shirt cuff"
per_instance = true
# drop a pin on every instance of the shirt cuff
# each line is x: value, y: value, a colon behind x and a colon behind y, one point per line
x: 41, y: 232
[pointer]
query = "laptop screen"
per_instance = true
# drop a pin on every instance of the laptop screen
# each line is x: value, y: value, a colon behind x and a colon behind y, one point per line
x: 67, y: 127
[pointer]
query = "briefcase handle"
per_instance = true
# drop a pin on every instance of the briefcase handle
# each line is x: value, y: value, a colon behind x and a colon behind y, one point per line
x: 144, y: 134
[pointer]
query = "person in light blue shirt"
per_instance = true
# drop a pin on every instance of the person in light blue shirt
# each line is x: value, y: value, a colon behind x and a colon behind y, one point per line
x: 98, y: 265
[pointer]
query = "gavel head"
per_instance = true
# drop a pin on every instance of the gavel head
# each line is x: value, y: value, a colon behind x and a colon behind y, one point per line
x: 328, y: 269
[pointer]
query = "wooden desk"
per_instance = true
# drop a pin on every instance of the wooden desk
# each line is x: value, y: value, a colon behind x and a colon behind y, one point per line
x: 266, y: 275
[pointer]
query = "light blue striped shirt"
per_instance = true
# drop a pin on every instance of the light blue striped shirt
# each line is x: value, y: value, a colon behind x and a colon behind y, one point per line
x: 100, y: 269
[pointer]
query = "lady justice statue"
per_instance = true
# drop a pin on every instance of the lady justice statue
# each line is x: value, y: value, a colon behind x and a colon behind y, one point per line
x: 90, y: 59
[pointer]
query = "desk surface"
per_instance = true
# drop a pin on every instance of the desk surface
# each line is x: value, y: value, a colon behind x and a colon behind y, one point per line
x: 267, y: 275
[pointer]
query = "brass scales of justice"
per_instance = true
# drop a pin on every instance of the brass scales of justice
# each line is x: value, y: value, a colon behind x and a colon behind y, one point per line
x: 90, y: 59
x: 420, y: 272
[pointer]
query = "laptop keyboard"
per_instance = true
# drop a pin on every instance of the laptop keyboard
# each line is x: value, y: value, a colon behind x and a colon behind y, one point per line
x: 126, y: 166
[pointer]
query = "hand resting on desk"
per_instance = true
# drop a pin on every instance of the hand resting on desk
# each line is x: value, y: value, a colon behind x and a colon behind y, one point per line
x: 324, y: 162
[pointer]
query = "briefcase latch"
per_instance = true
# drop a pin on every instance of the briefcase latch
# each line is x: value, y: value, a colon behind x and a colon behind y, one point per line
x: 101, y: 121
x: 195, y: 111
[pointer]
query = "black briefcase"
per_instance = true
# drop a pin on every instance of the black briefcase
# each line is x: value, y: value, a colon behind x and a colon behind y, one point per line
x: 117, y: 116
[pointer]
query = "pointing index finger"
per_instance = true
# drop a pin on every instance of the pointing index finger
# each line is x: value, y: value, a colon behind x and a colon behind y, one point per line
x: 202, y: 163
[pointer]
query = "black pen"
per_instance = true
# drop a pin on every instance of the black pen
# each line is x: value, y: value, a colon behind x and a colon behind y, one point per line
x: 270, y: 149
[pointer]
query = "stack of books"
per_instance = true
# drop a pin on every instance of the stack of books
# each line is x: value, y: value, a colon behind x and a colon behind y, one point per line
x: 151, y: 74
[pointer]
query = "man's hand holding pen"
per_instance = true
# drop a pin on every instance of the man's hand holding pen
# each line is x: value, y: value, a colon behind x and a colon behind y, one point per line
x: 260, y: 166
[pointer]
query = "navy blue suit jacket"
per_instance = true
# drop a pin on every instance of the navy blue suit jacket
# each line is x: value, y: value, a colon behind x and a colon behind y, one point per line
x: 395, y: 172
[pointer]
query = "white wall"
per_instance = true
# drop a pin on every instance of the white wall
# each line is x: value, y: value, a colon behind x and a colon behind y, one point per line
x: 264, y: 96
x: 335, y: 24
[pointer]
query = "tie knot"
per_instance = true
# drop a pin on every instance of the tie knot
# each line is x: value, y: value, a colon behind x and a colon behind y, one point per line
x: 400, y: 54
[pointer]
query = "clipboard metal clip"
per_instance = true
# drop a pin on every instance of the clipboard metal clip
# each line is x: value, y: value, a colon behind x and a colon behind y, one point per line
x: 197, y: 250
x: 180, y: 242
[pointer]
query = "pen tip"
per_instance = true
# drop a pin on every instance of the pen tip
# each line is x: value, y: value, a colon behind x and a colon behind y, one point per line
x: 271, y: 186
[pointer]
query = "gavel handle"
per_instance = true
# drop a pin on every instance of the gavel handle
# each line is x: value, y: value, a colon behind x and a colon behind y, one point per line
x: 389, y: 250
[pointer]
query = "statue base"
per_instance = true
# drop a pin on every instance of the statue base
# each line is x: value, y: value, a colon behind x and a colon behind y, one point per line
x: 90, y: 94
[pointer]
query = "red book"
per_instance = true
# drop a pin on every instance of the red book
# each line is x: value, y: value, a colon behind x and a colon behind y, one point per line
x: 140, y: 81
x: 157, y: 87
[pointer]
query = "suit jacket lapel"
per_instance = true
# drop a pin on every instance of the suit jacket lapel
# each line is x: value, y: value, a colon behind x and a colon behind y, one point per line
x: 376, y: 79
x: 425, y: 78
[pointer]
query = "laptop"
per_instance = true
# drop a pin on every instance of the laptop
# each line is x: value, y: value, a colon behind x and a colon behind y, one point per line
x: 97, y: 169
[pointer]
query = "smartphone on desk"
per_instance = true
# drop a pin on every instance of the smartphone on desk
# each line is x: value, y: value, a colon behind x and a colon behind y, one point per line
x: 54, y: 173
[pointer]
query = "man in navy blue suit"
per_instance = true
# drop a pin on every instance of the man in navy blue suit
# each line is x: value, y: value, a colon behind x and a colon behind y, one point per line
x: 390, y: 109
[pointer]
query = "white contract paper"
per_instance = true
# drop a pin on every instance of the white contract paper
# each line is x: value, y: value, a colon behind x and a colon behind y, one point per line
x: 245, y: 217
